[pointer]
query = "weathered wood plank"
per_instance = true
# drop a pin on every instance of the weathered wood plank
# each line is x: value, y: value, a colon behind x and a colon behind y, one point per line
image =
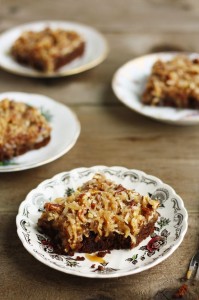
x: 116, y: 135
x: 111, y: 135
x: 94, y: 86
x: 117, y: 16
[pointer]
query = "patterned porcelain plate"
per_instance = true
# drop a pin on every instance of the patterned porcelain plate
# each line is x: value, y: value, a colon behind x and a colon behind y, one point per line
x: 62, y: 120
x: 129, y: 83
x: 169, y: 232
x: 95, y: 52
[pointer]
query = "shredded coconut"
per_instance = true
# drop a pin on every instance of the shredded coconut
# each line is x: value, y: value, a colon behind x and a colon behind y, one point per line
x: 21, y: 128
x: 100, y: 206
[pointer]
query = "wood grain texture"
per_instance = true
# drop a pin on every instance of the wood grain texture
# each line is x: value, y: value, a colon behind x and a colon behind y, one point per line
x: 120, y: 136
x: 111, y: 135
x: 80, y: 89
x: 109, y: 16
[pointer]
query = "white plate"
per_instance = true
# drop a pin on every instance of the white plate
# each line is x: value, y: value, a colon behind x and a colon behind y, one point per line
x: 169, y: 233
x: 129, y: 83
x: 95, y: 50
x: 65, y: 131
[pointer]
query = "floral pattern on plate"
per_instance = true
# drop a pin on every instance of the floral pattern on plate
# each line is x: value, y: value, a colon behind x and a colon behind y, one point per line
x: 169, y: 231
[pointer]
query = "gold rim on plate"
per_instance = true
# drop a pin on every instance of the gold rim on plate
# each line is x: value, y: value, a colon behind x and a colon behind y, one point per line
x: 76, y: 70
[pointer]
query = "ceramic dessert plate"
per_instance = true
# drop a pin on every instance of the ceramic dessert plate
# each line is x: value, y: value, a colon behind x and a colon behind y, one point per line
x: 169, y: 231
x: 129, y: 83
x: 65, y: 131
x: 96, y: 49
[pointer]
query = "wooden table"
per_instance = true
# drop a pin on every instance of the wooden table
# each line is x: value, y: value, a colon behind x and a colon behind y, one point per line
x: 111, y: 135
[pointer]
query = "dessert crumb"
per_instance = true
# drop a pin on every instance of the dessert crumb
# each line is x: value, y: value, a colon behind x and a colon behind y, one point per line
x: 80, y: 258
x: 181, y: 291
x: 103, y: 253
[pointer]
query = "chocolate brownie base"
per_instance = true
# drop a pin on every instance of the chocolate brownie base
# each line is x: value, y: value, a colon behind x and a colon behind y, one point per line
x: 115, y: 240
x: 21, y: 149
x: 168, y: 101
x: 93, y: 244
x: 59, y: 61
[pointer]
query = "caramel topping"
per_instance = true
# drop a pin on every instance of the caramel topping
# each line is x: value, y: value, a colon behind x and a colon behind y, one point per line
x: 95, y: 258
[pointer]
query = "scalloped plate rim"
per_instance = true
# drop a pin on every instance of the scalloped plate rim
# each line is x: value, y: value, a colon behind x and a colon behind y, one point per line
x: 113, y: 275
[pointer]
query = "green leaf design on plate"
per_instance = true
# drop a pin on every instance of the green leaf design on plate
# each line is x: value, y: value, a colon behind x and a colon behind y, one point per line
x: 69, y: 191
x: 7, y: 163
x: 71, y: 263
x: 47, y: 114
x: 163, y: 222
x: 134, y: 257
